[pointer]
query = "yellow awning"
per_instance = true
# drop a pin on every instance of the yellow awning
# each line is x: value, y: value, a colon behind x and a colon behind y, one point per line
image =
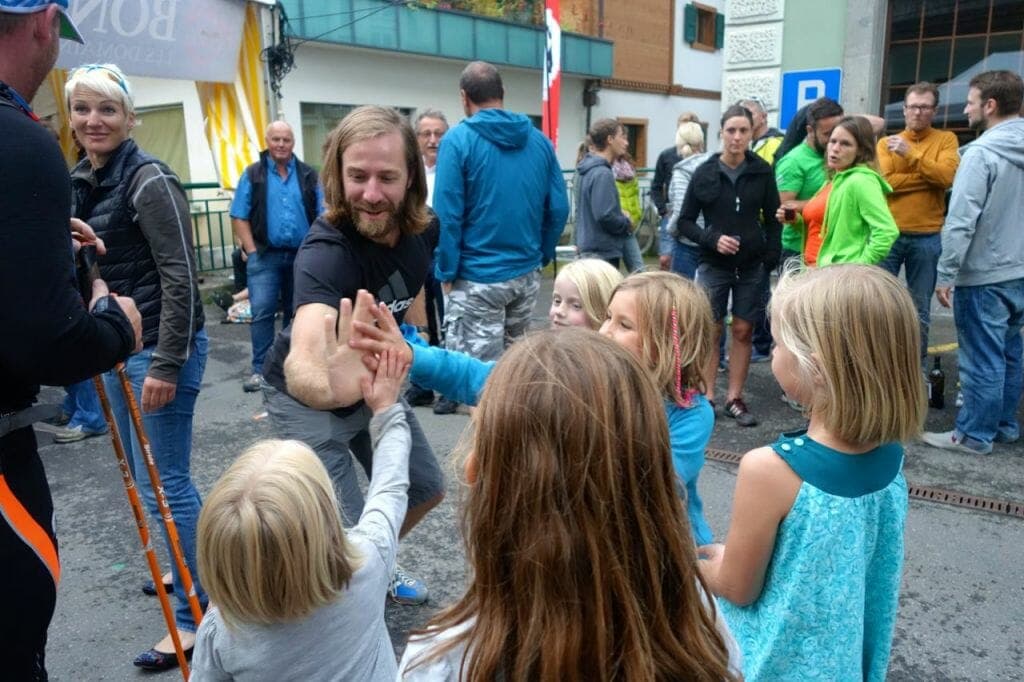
x: 56, y: 79
x: 236, y: 114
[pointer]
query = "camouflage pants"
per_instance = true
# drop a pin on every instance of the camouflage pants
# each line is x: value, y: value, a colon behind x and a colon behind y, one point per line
x: 483, y: 319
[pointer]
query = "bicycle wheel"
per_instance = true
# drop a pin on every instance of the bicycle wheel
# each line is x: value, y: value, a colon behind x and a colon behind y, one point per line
x: 647, y: 232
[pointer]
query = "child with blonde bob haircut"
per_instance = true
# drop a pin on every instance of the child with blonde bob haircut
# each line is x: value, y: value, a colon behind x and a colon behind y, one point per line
x: 581, y: 293
x: 665, y: 321
x: 582, y: 563
x: 295, y: 597
x: 811, y: 565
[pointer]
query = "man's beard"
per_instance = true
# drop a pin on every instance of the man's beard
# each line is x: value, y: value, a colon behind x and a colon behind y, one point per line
x: 977, y: 125
x: 375, y: 229
x: 818, y: 146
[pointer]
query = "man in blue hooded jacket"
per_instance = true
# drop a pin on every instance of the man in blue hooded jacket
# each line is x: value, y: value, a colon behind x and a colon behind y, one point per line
x: 502, y: 204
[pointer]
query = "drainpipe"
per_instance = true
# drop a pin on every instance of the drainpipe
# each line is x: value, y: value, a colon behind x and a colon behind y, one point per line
x: 590, y: 90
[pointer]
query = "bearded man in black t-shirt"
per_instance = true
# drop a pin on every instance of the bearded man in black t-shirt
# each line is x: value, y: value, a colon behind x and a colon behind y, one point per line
x: 368, y: 238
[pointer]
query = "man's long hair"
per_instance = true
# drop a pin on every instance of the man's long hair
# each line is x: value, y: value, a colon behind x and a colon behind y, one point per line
x: 366, y: 123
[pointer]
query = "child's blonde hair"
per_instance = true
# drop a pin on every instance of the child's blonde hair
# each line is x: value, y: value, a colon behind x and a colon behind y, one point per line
x: 595, y: 279
x: 676, y: 330
x: 854, y: 332
x: 270, y: 541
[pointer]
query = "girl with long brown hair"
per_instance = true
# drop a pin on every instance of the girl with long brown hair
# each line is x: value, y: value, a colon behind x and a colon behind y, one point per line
x: 582, y: 557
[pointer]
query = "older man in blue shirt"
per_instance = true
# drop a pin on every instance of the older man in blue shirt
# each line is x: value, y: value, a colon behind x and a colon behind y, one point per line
x: 276, y: 201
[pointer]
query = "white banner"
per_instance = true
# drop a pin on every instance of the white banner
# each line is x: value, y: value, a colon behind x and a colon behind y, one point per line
x: 194, y: 40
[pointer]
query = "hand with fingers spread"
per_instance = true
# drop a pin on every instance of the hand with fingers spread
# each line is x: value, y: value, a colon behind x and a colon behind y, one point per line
x: 345, y: 369
x: 381, y: 392
x: 374, y: 340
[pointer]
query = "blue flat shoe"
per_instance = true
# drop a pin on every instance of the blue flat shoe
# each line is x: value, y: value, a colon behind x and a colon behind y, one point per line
x: 149, y: 588
x: 159, y: 660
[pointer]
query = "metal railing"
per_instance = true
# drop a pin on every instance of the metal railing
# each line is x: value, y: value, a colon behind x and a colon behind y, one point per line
x: 213, y: 238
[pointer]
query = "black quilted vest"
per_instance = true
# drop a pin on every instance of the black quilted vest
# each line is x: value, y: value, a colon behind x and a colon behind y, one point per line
x: 128, y: 267
x: 257, y: 173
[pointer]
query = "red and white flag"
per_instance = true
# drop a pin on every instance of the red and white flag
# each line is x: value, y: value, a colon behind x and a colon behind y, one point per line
x: 552, y: 71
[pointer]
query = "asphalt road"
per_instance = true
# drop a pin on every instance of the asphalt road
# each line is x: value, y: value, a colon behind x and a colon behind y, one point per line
x: 961, y: 606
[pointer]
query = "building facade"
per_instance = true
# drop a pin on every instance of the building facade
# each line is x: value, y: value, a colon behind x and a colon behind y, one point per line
x: 879, y: 46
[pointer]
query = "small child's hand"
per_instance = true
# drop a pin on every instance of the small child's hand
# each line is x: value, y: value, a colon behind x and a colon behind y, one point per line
x: 381, y: 392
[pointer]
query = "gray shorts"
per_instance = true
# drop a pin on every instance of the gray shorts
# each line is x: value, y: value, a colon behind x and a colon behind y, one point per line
x: 746, y: 286
x: 484, y: 319
x: 338, y: 439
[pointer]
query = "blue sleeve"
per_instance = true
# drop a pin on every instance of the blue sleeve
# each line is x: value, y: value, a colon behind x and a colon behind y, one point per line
x: 449, y: 205
x: 319, y: 199
x: 689, y: 431
x: 241, y: 204
x: 556, y: 209
x: 457, y: 376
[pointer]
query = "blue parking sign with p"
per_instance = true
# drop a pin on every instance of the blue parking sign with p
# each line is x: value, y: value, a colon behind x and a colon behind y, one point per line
x: 803, y: 87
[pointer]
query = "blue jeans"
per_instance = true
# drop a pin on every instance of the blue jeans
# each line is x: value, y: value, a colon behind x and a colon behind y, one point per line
x: 920, y: 257
x: 269, y: 275
x: 83, y: 405
x: 665, y: 240
x: 988, y: 324
x: 170, y: 435
x: 631, y: 256
x: 685, y: 259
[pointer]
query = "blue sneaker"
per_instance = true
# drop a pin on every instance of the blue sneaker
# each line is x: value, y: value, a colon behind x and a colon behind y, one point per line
x: 407, y: 590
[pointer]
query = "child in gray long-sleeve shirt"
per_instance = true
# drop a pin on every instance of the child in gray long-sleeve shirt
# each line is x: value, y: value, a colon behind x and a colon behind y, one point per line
x: 297, y: 598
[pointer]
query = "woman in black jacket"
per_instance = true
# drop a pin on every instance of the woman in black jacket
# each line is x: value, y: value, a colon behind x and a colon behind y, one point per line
x: 735, y: 192
x: 139, y: 209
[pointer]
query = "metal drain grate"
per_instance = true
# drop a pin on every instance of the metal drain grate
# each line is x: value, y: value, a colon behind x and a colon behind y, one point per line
x: 723, y: 456
x: 917, y: 492
x: 920, y: 492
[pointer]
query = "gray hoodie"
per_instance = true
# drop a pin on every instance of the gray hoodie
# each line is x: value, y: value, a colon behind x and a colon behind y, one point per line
x: 681, y: 174
x: 601, y: 227
x: 983, y: 236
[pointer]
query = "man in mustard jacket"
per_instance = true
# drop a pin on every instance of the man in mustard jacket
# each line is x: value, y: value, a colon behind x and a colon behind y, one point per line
x: 919, y: 163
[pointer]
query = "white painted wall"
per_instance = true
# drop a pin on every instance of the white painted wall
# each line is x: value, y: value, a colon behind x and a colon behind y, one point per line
x: 342, y: 75
x: 690, y: 68
x: 661, y: 112
x: 695, y: 68
x: 151, y: 92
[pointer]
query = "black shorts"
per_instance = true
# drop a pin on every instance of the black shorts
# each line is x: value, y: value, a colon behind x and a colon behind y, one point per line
x: 746, y: 286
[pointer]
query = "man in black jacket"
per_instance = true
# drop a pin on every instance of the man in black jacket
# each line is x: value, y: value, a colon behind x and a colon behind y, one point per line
x: 276, y: 201
x: 48, y: 335
x: 736, y: 192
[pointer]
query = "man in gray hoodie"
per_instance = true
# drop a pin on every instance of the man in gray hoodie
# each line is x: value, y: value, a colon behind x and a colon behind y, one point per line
x: 983, y: 256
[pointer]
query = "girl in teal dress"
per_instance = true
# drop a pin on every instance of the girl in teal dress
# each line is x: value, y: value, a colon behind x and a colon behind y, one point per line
x: 809, y: 574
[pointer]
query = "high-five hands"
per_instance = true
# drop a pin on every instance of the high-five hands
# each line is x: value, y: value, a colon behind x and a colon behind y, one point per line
x: 381, y: 391
x: 345, y: 369
x: 375, y: 339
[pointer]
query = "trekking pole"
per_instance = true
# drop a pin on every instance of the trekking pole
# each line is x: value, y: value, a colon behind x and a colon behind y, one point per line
x: 161, y: 498
x: 89, y: 274
x: 140, y: 522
